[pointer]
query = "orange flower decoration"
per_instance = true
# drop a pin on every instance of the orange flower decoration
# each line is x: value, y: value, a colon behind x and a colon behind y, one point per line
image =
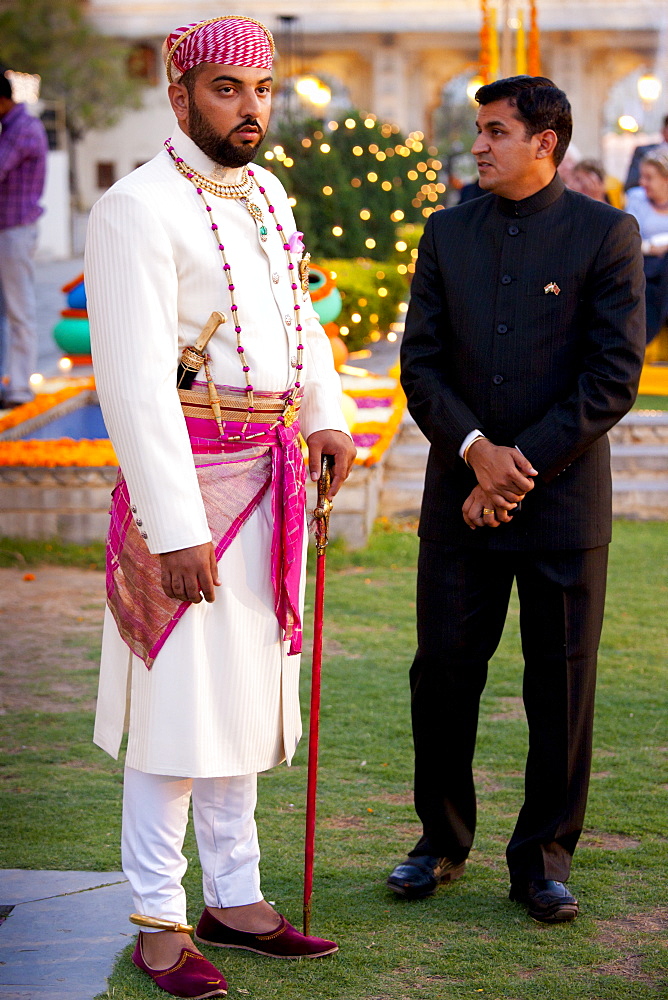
x: 41, y: 403
x: 57, y: 453
x: 385, y: 429
x: 533, y: 49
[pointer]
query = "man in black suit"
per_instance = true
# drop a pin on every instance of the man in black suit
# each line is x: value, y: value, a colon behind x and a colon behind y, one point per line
x: 633, y: 176
x: 523, y: 346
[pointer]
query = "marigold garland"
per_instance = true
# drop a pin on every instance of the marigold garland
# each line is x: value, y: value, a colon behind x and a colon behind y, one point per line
x: 57, y: 453
x: 485, y: 43
x: 41, y: 403
x: 64, y: 452
x: 520, y: 45
x: 385, y: 430
x: 488, y: 59
x: 533, y: 50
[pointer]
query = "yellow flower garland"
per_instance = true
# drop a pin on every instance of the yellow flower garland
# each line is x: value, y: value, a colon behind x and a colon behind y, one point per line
x: 41, y: 403
x: 52, y: 453
x: 386, y: 428
x: 63, y: 452
x: 56, y: 453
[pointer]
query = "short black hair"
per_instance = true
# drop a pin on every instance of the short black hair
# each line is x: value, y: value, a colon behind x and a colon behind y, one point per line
x: 665, y: 122
x: 189, y: 78
x: 540, y: 105
x: 5, y: 86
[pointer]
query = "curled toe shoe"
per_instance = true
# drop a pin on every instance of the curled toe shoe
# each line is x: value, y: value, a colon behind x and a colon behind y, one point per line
x: 545, y: 900
x: 193, y: 976
x: 418, y: 877
x: 283, y: 942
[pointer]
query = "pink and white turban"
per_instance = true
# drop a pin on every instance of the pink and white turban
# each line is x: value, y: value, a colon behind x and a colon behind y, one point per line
x: 230, y: 40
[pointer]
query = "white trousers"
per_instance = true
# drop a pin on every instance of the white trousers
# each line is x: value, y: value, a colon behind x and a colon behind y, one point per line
x: 19, y: 308
x: 155, y: 816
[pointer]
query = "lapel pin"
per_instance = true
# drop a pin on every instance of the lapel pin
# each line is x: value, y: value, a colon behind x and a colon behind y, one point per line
x: 552, y: 287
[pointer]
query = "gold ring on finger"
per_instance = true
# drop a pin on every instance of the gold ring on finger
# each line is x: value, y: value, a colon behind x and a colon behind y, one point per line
x: 488, y: 510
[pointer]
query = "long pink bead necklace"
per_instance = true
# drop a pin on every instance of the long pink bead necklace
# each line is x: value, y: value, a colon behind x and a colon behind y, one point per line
x: 198, y: 181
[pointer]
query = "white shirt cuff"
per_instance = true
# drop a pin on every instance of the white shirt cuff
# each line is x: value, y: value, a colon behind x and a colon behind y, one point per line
x: 468, y: 439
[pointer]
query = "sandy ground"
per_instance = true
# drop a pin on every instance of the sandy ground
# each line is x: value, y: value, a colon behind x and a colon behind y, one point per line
x: 50, y: 629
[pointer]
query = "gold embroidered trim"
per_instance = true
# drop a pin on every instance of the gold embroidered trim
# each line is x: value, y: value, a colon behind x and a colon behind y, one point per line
x: 185, y: 955
x: 195, y: 403
x: 274, y: 934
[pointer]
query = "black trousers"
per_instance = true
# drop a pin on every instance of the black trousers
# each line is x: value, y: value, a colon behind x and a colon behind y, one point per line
x: 462, y: 603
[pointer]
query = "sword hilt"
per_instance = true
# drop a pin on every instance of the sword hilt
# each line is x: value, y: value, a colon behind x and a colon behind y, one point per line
x: 192, y: 358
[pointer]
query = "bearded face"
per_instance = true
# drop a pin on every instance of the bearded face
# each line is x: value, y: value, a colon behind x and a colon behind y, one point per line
x: 236, y: 148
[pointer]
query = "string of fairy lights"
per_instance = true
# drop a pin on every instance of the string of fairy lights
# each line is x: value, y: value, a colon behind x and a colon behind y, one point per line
x: 427, y: 169
x: 412, y: 180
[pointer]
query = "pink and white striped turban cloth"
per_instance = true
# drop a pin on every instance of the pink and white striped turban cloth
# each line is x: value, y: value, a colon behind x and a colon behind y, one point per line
x: 230, y: 40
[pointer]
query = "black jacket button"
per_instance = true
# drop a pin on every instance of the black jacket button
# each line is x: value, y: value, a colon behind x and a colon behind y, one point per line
x: 506, y: 279
x: 497, y: 380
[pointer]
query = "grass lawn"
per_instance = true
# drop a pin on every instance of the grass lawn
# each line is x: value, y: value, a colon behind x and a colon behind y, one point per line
x: 60, y: 797
x: 651, y: 403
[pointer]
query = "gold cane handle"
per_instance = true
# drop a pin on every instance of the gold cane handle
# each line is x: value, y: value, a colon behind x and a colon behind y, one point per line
x: 192, y: 358
x: 324, y: 508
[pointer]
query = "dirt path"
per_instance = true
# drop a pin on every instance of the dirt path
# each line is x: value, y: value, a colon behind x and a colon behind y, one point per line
x: 50, y: 628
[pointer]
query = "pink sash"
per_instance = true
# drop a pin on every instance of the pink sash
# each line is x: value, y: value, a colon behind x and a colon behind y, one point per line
x: 232, y: 486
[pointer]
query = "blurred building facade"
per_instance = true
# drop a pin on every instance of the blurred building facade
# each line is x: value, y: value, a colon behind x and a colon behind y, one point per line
x: 389, y: 57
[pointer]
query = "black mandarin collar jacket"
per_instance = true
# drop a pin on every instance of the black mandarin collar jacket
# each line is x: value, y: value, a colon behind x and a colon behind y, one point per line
x: 526, y: 321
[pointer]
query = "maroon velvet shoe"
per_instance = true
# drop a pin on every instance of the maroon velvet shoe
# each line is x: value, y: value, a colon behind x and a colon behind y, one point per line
x: 284, y: 942
x: 193, y: 976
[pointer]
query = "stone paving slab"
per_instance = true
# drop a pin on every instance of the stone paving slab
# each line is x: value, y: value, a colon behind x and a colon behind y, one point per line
x: 40, y: 993
x: 18, y: 885
x: 62, y: 936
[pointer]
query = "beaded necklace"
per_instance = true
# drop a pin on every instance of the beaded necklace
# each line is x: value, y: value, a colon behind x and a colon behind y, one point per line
x: 240, y: 190
x: 232, y: 191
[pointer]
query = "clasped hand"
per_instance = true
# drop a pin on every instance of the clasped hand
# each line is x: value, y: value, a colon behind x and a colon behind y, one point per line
x: 504, y: 478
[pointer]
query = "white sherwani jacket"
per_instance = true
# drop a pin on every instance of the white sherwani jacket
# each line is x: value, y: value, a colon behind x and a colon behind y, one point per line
x: 222, y: 695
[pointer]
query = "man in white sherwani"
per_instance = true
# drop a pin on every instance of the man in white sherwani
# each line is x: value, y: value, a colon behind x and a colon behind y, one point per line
x: 205, y: 554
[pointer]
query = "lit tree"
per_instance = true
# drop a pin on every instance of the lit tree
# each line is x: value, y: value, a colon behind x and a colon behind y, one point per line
x: 354, y: 181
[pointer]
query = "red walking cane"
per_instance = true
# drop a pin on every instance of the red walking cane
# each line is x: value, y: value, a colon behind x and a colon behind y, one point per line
x: 321, y: 515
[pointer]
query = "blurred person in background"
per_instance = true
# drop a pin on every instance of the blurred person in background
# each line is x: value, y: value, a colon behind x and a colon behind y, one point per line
x: 23, y: 149
x: 648, y: 203
x: 633, y: 176
x: 588, y: 177
x: 572, y: 157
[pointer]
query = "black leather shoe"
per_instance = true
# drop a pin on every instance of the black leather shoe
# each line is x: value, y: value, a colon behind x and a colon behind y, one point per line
x: 545, y: 900
x: 418, y: 877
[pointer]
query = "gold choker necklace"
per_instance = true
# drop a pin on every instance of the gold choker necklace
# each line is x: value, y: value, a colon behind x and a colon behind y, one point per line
x: 240, y: 190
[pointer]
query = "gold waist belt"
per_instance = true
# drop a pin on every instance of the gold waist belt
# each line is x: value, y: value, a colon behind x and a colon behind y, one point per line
x: 268, y: 406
